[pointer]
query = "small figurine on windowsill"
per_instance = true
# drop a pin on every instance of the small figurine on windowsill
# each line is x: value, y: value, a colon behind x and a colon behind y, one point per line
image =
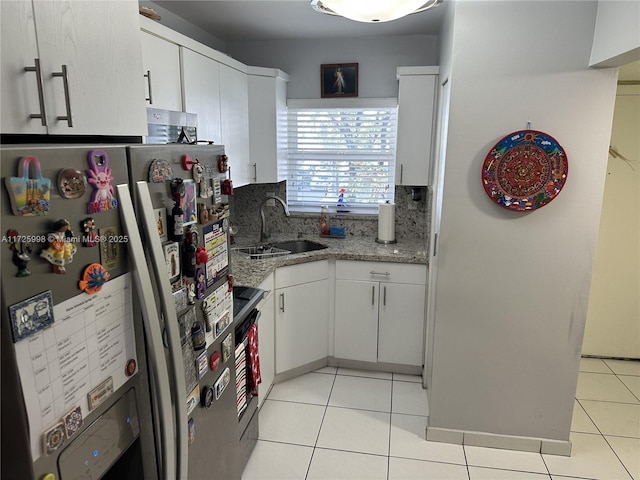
x: 61, y: 247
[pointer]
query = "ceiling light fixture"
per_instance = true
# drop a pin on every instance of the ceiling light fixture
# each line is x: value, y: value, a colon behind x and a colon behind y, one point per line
x: 372, y: 11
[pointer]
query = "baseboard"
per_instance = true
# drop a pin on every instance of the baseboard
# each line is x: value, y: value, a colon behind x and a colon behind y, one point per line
x: 505, y: 442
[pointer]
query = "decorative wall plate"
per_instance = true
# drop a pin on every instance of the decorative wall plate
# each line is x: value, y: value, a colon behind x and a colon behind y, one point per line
x: 525, y: 170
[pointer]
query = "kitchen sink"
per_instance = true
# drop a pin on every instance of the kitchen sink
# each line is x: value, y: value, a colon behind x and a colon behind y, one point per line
x: 299, y: 246
x: 260, y: 252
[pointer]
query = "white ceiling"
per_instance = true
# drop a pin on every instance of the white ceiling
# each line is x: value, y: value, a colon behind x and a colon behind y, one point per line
x: 234, y: 20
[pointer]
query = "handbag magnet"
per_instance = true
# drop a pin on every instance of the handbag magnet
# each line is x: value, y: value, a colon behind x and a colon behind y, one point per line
x: 29, y: 196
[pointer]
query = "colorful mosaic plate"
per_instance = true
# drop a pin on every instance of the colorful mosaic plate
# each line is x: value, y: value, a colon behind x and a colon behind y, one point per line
x: 525, y: 170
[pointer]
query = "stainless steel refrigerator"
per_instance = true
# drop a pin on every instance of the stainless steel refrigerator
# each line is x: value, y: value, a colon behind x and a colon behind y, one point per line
x: 116, y: 314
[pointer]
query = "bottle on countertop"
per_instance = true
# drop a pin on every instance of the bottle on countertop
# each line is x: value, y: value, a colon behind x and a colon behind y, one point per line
x: 324, y: 225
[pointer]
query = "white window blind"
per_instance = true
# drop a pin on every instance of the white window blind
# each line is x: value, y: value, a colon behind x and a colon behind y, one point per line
x: 340, y: 149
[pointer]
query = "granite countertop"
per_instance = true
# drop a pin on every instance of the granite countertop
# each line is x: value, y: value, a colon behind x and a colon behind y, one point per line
x: 252, y: 272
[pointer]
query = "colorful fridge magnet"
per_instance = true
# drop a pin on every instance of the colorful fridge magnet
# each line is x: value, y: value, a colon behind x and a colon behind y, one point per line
x: 100, y: 178
x: 201, y: 283
x: 93, y: 278
x: 110, y: 240
x: 72, y: 421
x: 192, y: 430
x: 202, y: 365
x: 130, y: 367
x: 172, y: 259
x: 525, y: 170
x: 222, y: 382
x: 89, y: 234
x: 31, y: 315
x: 53, y: 438
x: 203, y: 214
x: 207, y: 396
x: 21, y: 252
x: 198, y: 337
x: 71, y: 183
x: 160, y: 171
x: 214, y: 361
x: 227, y: 347
x: 188, y: 203
x: 192, y: 399
x: 160, y: 214
x: 223, y: 163
x: 99, y: 394
x: 61, y: 247
x: 29, y: 196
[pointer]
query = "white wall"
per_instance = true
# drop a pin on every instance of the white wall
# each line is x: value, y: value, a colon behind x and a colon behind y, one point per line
x: 616, y: 39
x: 513, y: 288
x: 377, y: 57
x: 613, y: 321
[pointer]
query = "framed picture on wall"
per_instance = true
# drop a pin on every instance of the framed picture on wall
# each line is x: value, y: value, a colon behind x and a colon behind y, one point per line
x: 339, y: 80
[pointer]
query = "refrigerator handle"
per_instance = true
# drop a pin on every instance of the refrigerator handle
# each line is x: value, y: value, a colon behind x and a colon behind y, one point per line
x: 156, y: 255
x: 150, y: 317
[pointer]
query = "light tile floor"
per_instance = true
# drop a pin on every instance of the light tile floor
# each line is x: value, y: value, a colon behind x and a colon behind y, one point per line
x: 341, y: 424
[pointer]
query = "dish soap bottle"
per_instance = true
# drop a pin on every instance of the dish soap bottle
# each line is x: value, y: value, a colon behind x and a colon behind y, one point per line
x: 324, y: 226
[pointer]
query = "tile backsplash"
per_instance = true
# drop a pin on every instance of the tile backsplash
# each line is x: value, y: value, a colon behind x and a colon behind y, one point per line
x: 412, y: 216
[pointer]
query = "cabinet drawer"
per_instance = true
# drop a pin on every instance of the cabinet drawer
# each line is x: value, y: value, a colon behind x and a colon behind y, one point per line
x: 381, y: 272
x: 302, y: 273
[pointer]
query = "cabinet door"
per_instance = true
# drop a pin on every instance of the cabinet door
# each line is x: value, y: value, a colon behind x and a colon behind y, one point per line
x: 99, y: 42
x: 416, y: 100
x: 234, y: 115
x: 401, y: 323
x: 19, y: 89
x: 356, y: 320
x: 202, y: 94
x: 161, y: 59
x: 301, y: 324
x: 266, y: 344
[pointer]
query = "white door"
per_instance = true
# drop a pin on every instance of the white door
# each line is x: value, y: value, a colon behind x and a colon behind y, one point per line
x: 202, y: 94
x: 99, y: 45
x: 401, y: 323
x: 356, y: 320
x: 19, y: 88
x: 301, y: 324
x: 613, y: 318
x: 234, y: 112
x: 161, y: 62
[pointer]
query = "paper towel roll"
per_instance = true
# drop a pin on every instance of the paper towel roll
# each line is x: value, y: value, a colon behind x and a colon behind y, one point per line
x: 386, y: 223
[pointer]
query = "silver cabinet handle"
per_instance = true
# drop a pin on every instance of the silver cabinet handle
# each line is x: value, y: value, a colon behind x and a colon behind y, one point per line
x: 373, y: 272
x: 384, y: 297
x: 401, y: 172
x: 67, y: 99
x: 373, y: 295
x: 255, y: 172
x: 282, y: 302
x: 435, y: 245
x: 43, y: 114
x: 148, y: 77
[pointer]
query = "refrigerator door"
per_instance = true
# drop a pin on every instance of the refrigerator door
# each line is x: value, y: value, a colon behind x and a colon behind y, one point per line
x: 73, y: 354
x: 197, y: 323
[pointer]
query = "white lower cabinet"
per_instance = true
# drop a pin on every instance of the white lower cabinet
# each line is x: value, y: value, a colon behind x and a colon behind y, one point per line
x: 380, y: 312
x: 301, y: 326
x: 266, y: 339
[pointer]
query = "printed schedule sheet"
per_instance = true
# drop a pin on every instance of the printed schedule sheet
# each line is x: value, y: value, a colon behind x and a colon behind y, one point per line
x: 90, y: 343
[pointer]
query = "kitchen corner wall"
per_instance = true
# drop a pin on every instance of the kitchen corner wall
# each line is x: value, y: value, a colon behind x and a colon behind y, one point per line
x: 412, y: 217
x: 513, y: 288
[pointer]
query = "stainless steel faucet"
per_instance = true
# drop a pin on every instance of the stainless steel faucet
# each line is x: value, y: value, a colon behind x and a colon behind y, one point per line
x: 263, y: 227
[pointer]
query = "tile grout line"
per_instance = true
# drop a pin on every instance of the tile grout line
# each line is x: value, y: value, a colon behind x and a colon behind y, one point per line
x: 605, y: 439
x: 389, y: 437
x: 627, y: 387
x: 326, y: 407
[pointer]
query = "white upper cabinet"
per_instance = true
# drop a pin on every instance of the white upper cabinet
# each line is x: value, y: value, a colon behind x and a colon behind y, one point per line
x: 234, y: 121
x: 201, y: 77
x: 89, y: 59
x: 161, y: 68
x: 267, y: 116
x: 416, y: 124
